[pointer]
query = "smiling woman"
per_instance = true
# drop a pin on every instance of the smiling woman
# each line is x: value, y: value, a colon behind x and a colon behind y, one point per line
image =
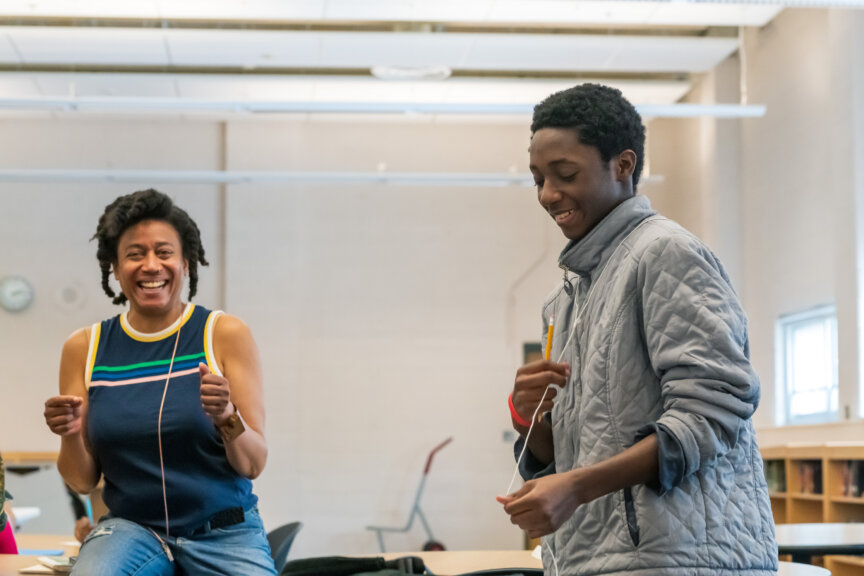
x: 164, y: 401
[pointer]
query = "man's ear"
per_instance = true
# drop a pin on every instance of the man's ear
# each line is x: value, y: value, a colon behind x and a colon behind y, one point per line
x: 625, y: 164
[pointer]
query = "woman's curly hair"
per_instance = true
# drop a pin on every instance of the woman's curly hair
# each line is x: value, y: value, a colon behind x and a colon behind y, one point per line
x: 127, y: 211
x: 602, y: 117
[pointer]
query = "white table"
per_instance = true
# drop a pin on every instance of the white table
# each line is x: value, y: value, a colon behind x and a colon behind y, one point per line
x: 449, y: 563
x: 805, y: 540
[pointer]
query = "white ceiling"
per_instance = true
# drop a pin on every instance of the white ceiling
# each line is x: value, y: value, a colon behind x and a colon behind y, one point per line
x: 552, y: 12
x: 500, y: 51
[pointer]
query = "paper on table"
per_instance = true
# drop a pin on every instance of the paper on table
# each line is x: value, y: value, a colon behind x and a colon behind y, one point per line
x: 36, y: 569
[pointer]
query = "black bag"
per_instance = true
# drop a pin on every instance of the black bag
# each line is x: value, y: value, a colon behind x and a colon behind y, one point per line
x: 348, y: 566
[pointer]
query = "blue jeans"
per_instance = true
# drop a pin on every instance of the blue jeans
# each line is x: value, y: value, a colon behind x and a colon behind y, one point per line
x: 118, y: 547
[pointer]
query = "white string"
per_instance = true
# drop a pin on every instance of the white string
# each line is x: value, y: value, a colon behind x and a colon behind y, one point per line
x: 525, y: 446
x: 534, y: 420
x: 159, y: 429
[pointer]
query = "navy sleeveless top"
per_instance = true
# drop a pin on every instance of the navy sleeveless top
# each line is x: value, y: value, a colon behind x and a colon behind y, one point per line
x: 126, y: 376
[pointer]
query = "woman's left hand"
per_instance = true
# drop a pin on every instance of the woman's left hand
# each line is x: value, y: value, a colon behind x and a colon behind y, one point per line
x: 215, y: 395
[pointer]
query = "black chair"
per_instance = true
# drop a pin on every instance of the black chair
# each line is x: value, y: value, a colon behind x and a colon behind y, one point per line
x: 280, y: 543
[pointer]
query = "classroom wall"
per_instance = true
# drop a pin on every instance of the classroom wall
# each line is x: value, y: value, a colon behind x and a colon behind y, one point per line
x: 801, y: 171
x: 778, y: 198
x: 388, y: 317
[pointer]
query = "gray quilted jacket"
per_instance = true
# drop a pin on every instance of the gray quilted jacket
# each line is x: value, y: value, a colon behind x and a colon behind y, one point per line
x: 659, y: 345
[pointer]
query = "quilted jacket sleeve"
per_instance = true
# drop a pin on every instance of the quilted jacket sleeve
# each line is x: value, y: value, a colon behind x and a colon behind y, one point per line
x: 696, y: 335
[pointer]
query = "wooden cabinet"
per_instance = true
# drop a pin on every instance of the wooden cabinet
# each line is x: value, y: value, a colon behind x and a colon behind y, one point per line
x: 818, y: 483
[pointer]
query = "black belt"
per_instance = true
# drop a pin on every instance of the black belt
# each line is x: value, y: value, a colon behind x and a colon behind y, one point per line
x: 222, y: 519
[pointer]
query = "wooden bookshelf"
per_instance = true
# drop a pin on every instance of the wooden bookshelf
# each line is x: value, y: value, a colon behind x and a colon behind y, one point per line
x: 811, y: 483
x: 845, y: 565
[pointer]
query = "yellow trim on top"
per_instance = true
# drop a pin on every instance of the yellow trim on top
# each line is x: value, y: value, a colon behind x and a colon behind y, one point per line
x: 161, y: 335
x: 95, y: 333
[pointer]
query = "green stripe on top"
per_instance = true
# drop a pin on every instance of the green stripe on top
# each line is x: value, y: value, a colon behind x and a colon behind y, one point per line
x: 148, y: 364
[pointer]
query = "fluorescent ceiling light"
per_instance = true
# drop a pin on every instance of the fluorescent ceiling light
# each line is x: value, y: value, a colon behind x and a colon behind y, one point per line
x: 243, y: 177
x: 402, y: 73
x: 131, y: 105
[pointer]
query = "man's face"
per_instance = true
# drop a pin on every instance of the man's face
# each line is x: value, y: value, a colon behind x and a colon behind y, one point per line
x: 574, y: 185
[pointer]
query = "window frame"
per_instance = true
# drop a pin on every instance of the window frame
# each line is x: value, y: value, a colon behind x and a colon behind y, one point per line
x: 784, y: 331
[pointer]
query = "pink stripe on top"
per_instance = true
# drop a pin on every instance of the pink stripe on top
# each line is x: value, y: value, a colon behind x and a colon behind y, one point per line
x: 145, y: 379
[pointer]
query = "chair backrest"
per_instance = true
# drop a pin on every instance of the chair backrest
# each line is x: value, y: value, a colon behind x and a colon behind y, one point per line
x: 280, y: 540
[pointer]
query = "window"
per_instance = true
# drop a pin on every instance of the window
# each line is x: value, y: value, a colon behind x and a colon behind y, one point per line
x: 807, y: 366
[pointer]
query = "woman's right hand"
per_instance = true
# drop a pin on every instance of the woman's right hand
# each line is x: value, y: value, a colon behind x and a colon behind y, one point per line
x: 531, y: 382
x: 63, y: 414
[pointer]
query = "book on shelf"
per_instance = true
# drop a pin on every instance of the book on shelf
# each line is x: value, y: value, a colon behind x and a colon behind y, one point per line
x: 775, y: 475
x: 852, y: 470
x: 810, y: 477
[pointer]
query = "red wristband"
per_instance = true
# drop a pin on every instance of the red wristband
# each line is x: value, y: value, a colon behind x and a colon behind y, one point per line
x: 515, y: 415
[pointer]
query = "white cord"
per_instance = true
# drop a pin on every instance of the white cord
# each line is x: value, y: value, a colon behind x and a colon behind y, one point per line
x: 525, y: 446
x: 159, y: 429
x: 534, y: 420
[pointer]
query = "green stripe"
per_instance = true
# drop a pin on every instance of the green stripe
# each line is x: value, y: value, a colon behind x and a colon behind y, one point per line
x: 146, y: 364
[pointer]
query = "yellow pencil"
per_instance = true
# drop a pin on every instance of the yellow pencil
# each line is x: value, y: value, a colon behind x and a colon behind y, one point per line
x: 549, y: 338
x: 548, y: 352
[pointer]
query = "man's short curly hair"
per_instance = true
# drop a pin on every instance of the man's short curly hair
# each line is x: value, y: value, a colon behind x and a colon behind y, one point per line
x: 131, y: 209
x: 602, y: 117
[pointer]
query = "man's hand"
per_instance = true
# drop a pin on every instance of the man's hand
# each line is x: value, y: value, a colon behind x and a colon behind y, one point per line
x: 532, y: 380
x: 541, y: 506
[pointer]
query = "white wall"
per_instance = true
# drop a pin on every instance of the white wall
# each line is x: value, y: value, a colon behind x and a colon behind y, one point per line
x: 799, y: 172
x: 778, y: 198
x: 388, y: 317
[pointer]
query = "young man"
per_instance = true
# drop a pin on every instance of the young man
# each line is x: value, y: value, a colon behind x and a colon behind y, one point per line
x: 648, y: 462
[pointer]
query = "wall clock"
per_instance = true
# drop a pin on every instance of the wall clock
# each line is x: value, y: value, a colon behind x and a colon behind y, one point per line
x: 16, y: 293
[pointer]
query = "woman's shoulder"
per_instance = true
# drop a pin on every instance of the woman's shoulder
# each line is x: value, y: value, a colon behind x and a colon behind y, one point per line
x: 78, y: 340
x: 229, y: 326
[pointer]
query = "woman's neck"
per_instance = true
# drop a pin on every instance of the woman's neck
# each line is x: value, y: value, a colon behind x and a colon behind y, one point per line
x: 152, y: 322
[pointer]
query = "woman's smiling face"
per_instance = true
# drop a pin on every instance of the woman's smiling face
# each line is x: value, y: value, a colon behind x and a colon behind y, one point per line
x: 150, y: 267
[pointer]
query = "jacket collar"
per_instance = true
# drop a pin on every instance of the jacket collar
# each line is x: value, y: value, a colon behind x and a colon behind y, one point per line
x: 583, y: 257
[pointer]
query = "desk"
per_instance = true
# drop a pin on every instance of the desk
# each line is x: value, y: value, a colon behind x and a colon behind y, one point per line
x: 11, y: 563
x: 26, y: 462
x: 64, y: 542
x: 805, y: 540
x: 450, y: 563
x: 446, y: 563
